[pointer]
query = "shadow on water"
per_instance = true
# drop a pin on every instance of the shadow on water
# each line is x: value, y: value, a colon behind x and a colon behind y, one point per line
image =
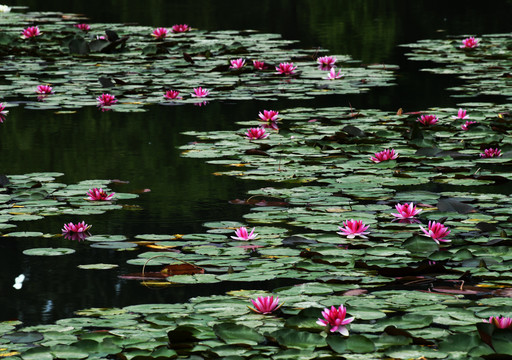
x: 142, y: 148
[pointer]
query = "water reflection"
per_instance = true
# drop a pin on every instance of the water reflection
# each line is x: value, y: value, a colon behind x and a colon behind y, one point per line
x: 142, y: 147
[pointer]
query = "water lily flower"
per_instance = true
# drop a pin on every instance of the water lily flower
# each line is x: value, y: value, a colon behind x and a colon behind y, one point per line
x: 428, y: 119
x: 468, y: 124
x: 333, y: 75
x: 2, y: 109
x: 237, y: 63
x: 469, y: 43
x: 352, y: 228
x: 268, y: 115
x: 76, y: 228
x: 461, y: 115
x: 44, y: 89
x: 30, y: 32
x: 265, y: 304
x: 286, y: 68
x: 106, y: 99
x: 200, y: 92
x: 387, y: 154
x: 83, y: 27
x: 490, y: 153
x: 172, y: 94
x: 259, y: 65
x: 100, y: 37
x: 160, y: 33
x: 335, y: 318
x: 436, y: 231
x: 406, y: 211
x: 326, y: 61
x: 256, y: 133
x: 98, y: 194
x: 500, y: 322
x: 242, y: 234
x: 178, y: 28
x: 4, y: 9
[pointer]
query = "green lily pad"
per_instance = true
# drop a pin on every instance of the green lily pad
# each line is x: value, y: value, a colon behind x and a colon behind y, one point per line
x: 48, y: 251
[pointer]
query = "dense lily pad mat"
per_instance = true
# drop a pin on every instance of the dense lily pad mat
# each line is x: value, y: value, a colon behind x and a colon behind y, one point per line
x: 137, y: 69
x: 397, y: 324
x: 36, y: 195
x: 410, y: 297
x: 484, y: 69
x: 330, y: 179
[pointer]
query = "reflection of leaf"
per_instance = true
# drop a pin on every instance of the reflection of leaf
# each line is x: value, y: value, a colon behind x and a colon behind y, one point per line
x: 78, y: 46
x: 454, y: 205
x: 183, y: 337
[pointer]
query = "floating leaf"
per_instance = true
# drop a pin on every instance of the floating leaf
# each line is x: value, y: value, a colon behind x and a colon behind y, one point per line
x: 48, y: 251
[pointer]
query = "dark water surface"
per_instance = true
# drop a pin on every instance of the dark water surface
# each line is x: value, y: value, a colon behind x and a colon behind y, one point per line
x: 142, y: 147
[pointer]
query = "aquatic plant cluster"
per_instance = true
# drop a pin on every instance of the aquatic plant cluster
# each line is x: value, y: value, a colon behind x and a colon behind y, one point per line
x: 177, y: 55
x: 347, y: 170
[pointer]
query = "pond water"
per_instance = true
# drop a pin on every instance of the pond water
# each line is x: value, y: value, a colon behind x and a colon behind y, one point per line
x: 142, y: 148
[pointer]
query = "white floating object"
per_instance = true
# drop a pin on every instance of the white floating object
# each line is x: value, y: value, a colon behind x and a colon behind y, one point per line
x: 18, y: 282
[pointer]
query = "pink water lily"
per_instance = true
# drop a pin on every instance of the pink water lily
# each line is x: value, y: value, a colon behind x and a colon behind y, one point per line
x: 160, y: 33
x: 44, y: 89
x: 326, y: 61
x: 242, y: 234
x: 172, y: 95
x: 468, y: 124
x: 469, y: 43
x: 259, y: 65
x: 461, y: 114
x: 256, y: 133
x: 98, y: 195
x: 428, y: 119
x: 436, y: 231
x: 106, y: 99
x: 406, y: 211
x: 490, y: 153
x: 386, y: 154
x: 333, y: 75
x: 352, y: 228
x: 83, y: 27
x: 335, y: 318
x: 268, y: 115
x: 2, y: 109
x: 265, y: 304
x: 30, y: 32
x: 237, y: 63
x: 500, y: 322
x: 75, y: 228
x: 200, y: 92
x: 286, y: 69
x: 179, y: 28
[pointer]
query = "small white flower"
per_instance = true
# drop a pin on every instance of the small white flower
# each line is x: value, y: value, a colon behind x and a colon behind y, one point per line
x: 4, y: 9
